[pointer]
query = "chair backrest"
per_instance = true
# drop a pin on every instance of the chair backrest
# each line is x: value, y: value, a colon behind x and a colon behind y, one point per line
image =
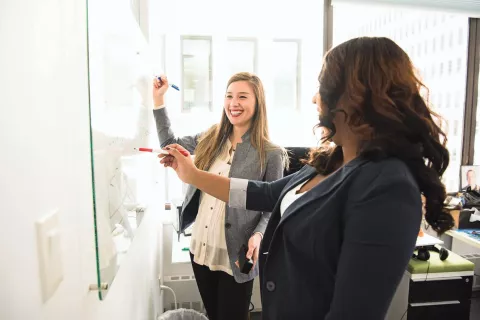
x: 296, y: 154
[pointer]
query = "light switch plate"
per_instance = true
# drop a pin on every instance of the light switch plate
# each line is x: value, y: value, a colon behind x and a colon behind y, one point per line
x: 49, y: 254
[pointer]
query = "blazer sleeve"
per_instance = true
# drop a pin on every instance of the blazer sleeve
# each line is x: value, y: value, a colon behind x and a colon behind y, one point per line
x: 381, y: 223
x: 256, y: 195
x: 166, y: 135
x: 273, y: 172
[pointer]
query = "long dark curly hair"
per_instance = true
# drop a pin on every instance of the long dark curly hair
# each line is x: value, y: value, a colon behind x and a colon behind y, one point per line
x: 373, y: 82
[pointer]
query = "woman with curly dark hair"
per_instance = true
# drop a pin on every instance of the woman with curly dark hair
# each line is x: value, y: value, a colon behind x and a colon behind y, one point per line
x: 343, y: 228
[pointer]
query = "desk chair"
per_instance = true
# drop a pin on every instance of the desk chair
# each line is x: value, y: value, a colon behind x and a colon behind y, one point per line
x: 296, y: 154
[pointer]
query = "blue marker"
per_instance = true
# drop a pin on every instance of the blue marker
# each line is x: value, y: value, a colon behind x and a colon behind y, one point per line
x: 172, y: 85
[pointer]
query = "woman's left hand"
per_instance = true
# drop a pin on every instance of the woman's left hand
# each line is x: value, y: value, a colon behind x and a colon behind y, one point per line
x: 253, y: 248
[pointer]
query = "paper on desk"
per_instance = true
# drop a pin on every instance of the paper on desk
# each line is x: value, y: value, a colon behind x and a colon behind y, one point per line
x: 427, y: 240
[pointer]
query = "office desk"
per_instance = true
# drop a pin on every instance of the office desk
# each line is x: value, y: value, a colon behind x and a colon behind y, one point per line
x: 463, y: 237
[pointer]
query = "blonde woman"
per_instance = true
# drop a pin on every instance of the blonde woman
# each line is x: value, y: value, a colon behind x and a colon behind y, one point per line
x: 238, y: 146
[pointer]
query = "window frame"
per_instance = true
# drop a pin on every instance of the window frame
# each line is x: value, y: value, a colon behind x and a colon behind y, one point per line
x: 471, y: 92
x: 298, y: 81
x: 210, y: 73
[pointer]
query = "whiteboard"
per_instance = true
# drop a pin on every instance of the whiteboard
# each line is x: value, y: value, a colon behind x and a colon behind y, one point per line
x: 120, y: 81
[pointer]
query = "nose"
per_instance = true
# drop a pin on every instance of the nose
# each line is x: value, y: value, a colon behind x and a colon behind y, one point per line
x: 234, y: 102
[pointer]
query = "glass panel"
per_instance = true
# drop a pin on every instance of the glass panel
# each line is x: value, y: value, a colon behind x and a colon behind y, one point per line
x: 122, y: 178
x: 285, y: 74
x: 241, y: 56
x: 437, y: 44
x: 197, y: 76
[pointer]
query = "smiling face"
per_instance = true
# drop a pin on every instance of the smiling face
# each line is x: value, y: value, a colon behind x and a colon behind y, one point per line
x: 240, y: 103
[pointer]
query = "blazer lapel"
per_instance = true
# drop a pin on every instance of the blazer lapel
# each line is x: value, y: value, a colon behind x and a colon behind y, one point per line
x: 322, y: 189
x: 305, y: 173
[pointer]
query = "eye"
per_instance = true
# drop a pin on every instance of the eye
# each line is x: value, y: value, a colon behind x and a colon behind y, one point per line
x: 228, y: 96
x: 243, y: 97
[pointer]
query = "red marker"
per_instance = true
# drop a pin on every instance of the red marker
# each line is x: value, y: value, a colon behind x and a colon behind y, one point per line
x: 161, y: 151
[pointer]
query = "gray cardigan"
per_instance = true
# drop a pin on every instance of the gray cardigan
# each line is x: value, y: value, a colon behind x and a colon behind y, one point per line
x: 240, y: 224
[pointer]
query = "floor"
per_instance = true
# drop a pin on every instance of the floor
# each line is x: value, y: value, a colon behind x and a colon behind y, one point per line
x: 474, y: 308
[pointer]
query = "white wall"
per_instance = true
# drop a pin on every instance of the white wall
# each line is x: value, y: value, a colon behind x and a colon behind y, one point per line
x: 45, y: 164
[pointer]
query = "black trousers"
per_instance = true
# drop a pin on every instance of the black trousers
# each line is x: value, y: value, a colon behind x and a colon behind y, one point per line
x: 223, y: 297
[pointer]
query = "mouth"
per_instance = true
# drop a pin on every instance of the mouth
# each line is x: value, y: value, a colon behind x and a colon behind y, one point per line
x: 236, y: 113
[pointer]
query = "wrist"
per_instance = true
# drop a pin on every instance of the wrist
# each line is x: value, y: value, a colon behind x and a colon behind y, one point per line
x: 195, y: 176
x: 158, y: 102
x: 259, y: 234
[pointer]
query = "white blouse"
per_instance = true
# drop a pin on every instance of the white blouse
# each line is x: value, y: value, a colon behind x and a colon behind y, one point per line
x: 290, y: 197
x: 208, y: 244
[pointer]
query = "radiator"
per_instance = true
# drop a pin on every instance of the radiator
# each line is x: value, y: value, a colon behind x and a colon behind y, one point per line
x: 186, y: 291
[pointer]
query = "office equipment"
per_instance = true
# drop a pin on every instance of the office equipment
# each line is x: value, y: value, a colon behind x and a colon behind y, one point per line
x: 244, y: 263
x: 423, y: 253
x: 120, y: 106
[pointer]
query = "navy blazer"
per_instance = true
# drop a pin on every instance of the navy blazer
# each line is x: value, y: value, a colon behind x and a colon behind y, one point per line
x: 340, y: 250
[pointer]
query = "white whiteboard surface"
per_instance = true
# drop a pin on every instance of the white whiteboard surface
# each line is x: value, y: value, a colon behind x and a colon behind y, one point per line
x: 120, y: 76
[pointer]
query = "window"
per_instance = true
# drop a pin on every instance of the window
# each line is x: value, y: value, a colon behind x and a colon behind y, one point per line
x: 206, y: 47
x: 196, y: 73
x: 455, y: 128
x: 434, y: 55
x: 241, y: 55
x: 286, y: 79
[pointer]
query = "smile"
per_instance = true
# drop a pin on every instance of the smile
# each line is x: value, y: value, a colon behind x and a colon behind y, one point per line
x: 236, y: 113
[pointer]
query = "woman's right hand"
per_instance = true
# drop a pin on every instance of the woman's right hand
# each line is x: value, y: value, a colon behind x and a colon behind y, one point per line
x: 159, y: 90
x: 180, y: 160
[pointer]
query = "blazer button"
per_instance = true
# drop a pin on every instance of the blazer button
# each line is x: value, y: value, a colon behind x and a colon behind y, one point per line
x: 270, y: 286
x: 227, y: 225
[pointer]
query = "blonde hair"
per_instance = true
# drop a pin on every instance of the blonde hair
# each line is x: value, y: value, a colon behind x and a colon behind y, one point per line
x: 213, y: 142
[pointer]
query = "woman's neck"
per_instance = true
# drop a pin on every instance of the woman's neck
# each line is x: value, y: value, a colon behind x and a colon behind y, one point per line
x: 237, y: 134
x: 350, y: 152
